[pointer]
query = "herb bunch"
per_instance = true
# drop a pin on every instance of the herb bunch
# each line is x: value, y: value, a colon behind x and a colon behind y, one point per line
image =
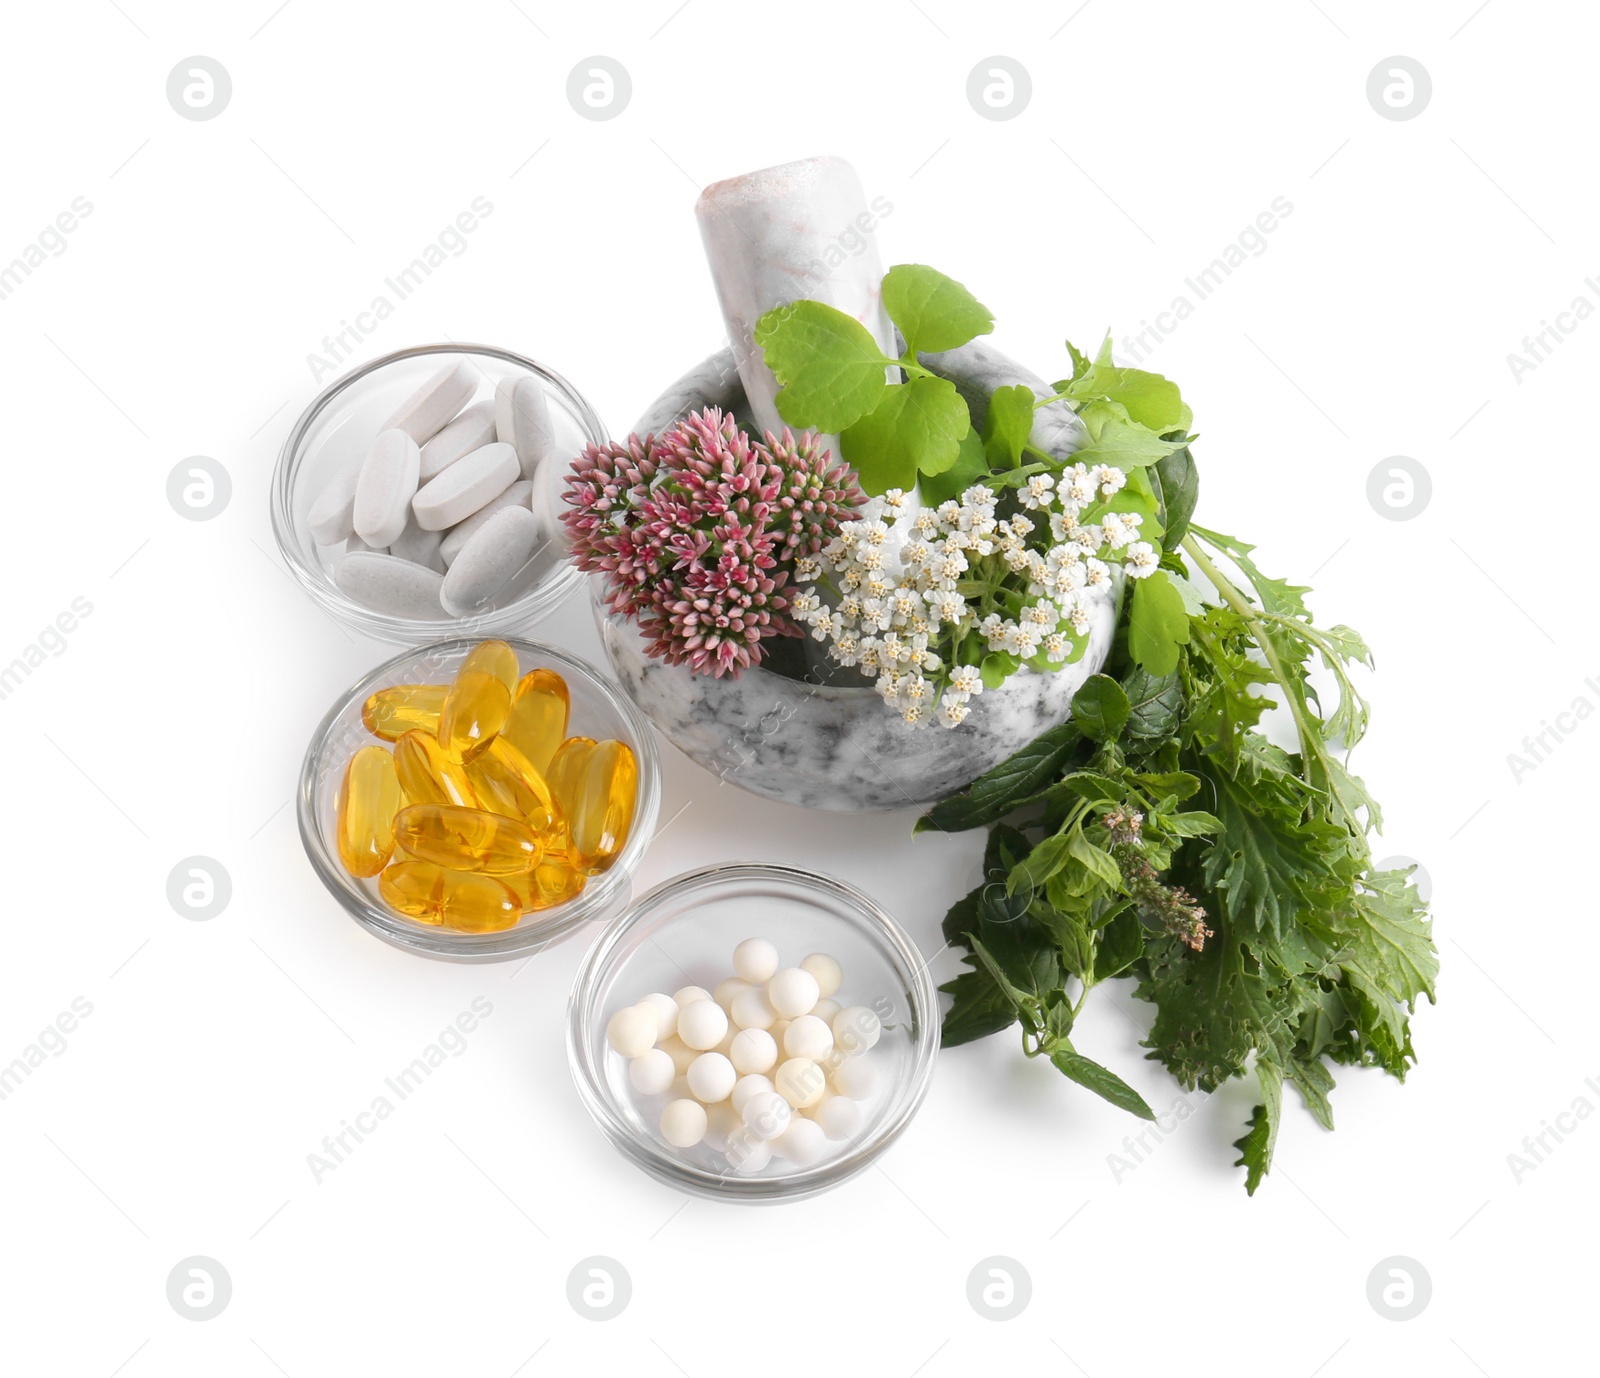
x: 1160, y: 835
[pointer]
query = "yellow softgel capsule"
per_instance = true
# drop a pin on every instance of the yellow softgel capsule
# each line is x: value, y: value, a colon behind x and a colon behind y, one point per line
x: 550, y: 883
x: 369, y: 796
x: 566, y: 769
x: 467, y: 839
x: 474, y: 711
x: 428, y: 775
x: 467, y: 902
x: 538, y: 722
x: 506, y: 783
x: 391, y: 713
x: 599, y: 804
x: 492, y: 658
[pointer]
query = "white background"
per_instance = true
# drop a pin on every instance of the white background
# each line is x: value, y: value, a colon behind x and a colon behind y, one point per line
x: 178, y: 321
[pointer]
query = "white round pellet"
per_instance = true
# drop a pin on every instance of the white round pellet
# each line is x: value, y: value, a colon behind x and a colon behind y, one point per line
x: 755, y: 959
x: 666, y: 1009
x: 751, y: 1009
x: 633, y: 1030
x: 689, y: 994
x: 855, y: 1029
x: 800, y: 1082
x: 652, y: 1072
x: 856, y: 1077
x: 683, y: 1123
x: 793, y: 992
x: 839, y: 1117
x: 753, y: 1050
x: 808, y: 1037
x: 702, y: 1023
x: 766, y: 1115
x: 749, y: 1155
x: 802, y: 1143
x: 726, y: 990
x: 825, y: 970
x: 679, y: 1051
x: 722, y: 1123
x: 711, y: 1078
x: 747, y: 1086
x: 825, y: 1009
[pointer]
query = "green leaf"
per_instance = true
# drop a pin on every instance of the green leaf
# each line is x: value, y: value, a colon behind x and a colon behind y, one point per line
x: 1150, y: 399
x: 1101, y: 708
x: 831, y: 368
x: 934, y: 312
x: 981, y: 1008
x: 1255, y: 1148
x: 1101, y: 1080
x: 916, y: 426
x: 1006, y: 425
x: 1158, y: 625
x: 1312, y: 1079
x: 1121, y: 945
x: 971, y: 466
x: 1154, y: 704
x: 999, y: 790
x: 1119, y: 440
x: 1179, y: 479
x: 1172, y: 784
x: 997, y: 667
x: 1050, y: 856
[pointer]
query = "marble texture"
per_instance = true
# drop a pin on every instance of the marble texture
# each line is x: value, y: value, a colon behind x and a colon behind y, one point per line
x: 830, y: 746
x: 800, y: 230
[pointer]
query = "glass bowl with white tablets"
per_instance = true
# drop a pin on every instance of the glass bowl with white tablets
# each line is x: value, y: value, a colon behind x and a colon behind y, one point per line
x: 419, y: 493
x: 753, y: 1032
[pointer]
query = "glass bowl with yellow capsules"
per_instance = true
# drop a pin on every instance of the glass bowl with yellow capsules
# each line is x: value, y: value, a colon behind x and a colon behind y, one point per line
x: 478, y: 799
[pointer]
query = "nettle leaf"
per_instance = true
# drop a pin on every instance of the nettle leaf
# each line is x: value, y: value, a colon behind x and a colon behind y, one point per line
x: 1101, y: 1080
x: 1007, y: 424
x: 971, y: 466
x: 1255, y: 1148
x: 1312, y: 1078
x: 1101, y: 708
x: 1158, y: 625
x: 934, y: 312
x: 831, y: 368
x: 916, y: 426
x: 1155, y: 704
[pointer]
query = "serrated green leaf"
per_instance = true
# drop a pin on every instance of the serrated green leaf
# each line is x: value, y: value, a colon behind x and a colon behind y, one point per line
x: 934, y: 312
x: 1256, y: 1147
x: 1155, y: 703
x: 831, y: 368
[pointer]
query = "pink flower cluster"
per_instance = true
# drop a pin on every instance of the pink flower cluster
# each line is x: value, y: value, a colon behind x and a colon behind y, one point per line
x: 696, y: 531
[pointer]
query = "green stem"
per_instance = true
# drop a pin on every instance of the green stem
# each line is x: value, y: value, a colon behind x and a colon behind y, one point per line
x: 1247, y: 612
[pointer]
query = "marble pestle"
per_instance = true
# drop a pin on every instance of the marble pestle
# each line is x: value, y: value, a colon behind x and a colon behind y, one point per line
x: 800, y: 230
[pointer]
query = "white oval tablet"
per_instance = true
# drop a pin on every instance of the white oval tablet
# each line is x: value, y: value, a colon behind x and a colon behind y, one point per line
x: 332, y: 516
x: 487, y: 563
x: 424, y: 414
x: 470, y: 431
x: 386, y: 584
x: 522, y: 420
x: 470, y: 483
x: 462, y: 532
x: 387, y: 484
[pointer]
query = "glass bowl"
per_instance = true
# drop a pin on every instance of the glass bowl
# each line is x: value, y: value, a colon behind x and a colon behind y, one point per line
x: 598, y: 709
x: 334, y: 432
x: 683, y: 933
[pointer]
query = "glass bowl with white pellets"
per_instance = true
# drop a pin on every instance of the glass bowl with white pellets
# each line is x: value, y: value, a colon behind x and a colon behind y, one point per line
x: 419, y: 492
x: 753, y: 1032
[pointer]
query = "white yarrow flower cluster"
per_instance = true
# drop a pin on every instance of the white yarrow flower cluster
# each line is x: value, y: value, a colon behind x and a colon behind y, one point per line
x: 897, y: 608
